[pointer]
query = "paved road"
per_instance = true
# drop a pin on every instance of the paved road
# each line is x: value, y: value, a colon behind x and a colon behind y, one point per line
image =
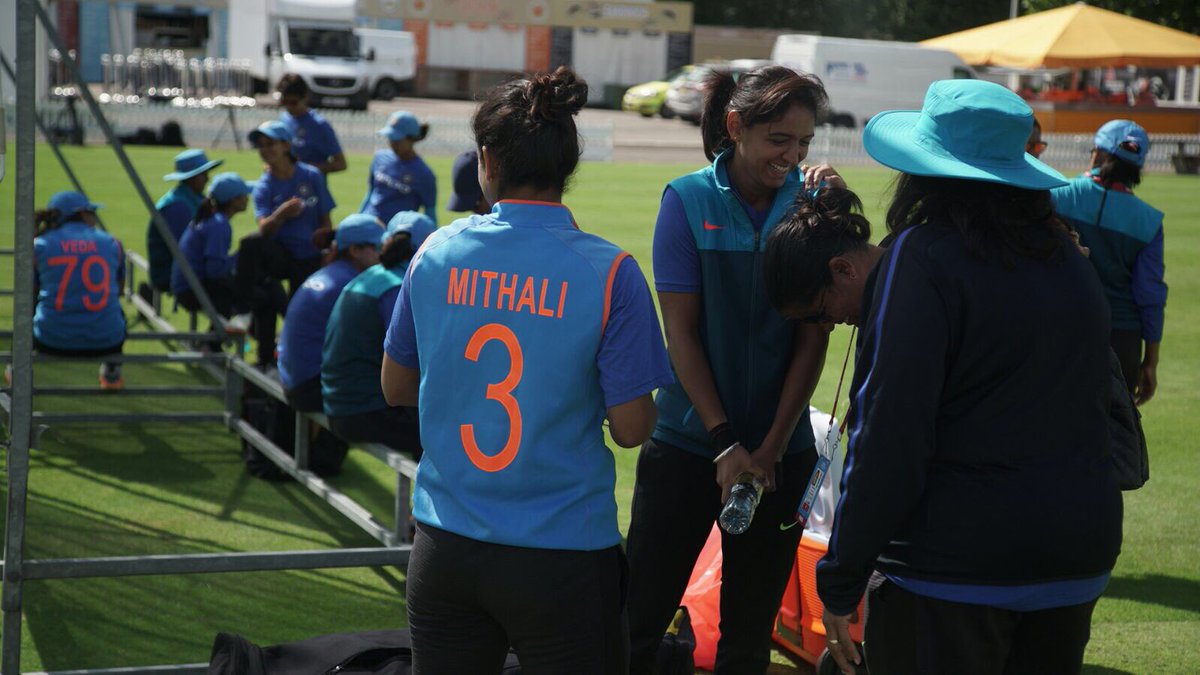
x: 635, y: 138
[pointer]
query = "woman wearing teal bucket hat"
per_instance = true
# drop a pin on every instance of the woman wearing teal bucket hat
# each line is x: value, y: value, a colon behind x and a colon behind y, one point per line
x: 978, y: 511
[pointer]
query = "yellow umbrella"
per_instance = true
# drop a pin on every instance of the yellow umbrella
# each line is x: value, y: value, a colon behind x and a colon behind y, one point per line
x: 1074, y: 36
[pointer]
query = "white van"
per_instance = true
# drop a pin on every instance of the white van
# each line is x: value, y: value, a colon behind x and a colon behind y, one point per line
x: 395, y: 63
x: 312, y: 38
x: 865, y: 77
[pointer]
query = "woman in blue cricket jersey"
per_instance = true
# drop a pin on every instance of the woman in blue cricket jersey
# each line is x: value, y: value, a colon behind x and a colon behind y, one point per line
x: 744, y: 374
x: 399, y: 180
x: 80, y: 277
x: 313, y: 139
x: 979, y: 400
x: 1125, y: 237
x: 353, y: 351
x: 518, y: 334
x: 356, y: 247
x: 291, y: 204
x: 205, y: 245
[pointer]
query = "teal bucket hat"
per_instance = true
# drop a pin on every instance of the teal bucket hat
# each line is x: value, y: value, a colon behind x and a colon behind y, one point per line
x: 967, y: 129
x: 191, y: 163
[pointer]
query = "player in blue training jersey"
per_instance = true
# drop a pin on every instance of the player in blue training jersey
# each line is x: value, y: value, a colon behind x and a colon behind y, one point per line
x: 178, y: 208
x: 519, y: 334
x: 80, y: 276
x: 356, y: 247
x: 744, y: 372
x: 1124, y: 236
x: 353, y: 351
x: 205, y: 245
x: 291, y: 203
x: 313, y: 139
x: 399, y: 180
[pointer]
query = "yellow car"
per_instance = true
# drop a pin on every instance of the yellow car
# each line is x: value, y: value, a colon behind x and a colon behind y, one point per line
x: 647, y: 98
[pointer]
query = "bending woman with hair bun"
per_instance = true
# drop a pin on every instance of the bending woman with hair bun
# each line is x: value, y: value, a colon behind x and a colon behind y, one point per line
x: 517, y: 334
x: 744, y: 373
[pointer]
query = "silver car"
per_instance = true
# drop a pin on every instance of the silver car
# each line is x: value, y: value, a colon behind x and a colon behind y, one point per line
x: 685, y: 97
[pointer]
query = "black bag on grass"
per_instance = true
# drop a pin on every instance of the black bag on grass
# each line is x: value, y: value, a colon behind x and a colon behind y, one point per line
x: 378, y: 652
x: 277, y: 421
x: 675, y: 653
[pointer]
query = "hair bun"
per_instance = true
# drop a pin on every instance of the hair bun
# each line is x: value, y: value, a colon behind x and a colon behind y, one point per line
x: 553, y: 94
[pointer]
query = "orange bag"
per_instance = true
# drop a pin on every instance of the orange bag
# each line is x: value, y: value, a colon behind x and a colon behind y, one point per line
x: 703, y: 600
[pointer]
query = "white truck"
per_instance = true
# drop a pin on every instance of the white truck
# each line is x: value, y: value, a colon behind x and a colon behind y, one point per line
x: 866, y: 77
x: 392, y: 61
x: 314, y: 39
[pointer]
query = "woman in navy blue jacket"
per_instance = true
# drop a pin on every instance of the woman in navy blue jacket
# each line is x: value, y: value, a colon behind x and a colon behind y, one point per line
x: 979, y: 509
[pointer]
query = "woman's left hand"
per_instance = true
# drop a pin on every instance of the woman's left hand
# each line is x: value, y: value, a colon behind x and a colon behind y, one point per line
x: 814, y: 175
x: 837, y: 637
x: 764, y: 460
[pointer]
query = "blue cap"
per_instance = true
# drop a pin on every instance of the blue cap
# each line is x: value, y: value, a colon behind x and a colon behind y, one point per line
x: 1125, y: 139
x: 69, y: 203
x: 418, y: 226
x: 273, y: 129
x: 968, y: 129
x: 191, y: 163
x: 401, y: 125
x: 467, y: 191
x: 358, y: 228
x: 228, y: 186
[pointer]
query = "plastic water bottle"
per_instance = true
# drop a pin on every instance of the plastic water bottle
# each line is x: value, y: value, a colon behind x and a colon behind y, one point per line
x: 743, y: 499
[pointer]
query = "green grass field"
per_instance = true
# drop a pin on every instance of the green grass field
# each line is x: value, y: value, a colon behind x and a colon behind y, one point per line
x: 160, y: 488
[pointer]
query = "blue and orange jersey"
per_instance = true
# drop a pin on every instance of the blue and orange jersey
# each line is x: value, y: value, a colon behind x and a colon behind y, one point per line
x: 80, y: 270
x: 525, y: 330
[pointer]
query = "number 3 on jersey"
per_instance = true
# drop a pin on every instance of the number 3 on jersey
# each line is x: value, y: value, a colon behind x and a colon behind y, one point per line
x: 501, y: 392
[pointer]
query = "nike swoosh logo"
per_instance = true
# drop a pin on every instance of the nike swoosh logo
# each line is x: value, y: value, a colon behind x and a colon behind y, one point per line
x: 789, y: 526
x: 710, y: 226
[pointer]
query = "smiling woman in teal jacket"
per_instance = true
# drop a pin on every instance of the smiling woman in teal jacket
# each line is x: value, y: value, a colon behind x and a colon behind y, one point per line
x: 744, y: 374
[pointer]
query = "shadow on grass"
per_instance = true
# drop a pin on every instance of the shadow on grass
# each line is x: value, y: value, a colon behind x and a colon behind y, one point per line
x: 1157, y: 589
x: 1103, y: 670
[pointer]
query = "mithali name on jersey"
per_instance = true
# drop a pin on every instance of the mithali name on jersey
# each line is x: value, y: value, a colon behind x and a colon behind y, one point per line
x: 499, y: 290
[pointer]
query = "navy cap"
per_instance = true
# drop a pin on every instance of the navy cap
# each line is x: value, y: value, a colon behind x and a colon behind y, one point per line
x: 1125, y: 139
x: 358, y: 228
x: 69, y: 203
x: 467, y: 191
x: 228, y: 186
x: 416, y: 224
x: 191, y: 163
x: 273, y: 129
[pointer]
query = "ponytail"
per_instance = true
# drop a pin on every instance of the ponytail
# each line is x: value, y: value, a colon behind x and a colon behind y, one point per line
x: 207, y: 208
x: 822, y: 227
x: 761, y: 95
x: 718, y: 88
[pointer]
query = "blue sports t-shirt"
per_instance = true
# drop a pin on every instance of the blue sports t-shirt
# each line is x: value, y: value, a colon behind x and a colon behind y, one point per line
x: 304, y: 324
x: 395, y: 185
x: 313, y: 139
x: 525, y: 330
x: 307, y: 183
x: 80, y: 271
x: 206, y: 248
